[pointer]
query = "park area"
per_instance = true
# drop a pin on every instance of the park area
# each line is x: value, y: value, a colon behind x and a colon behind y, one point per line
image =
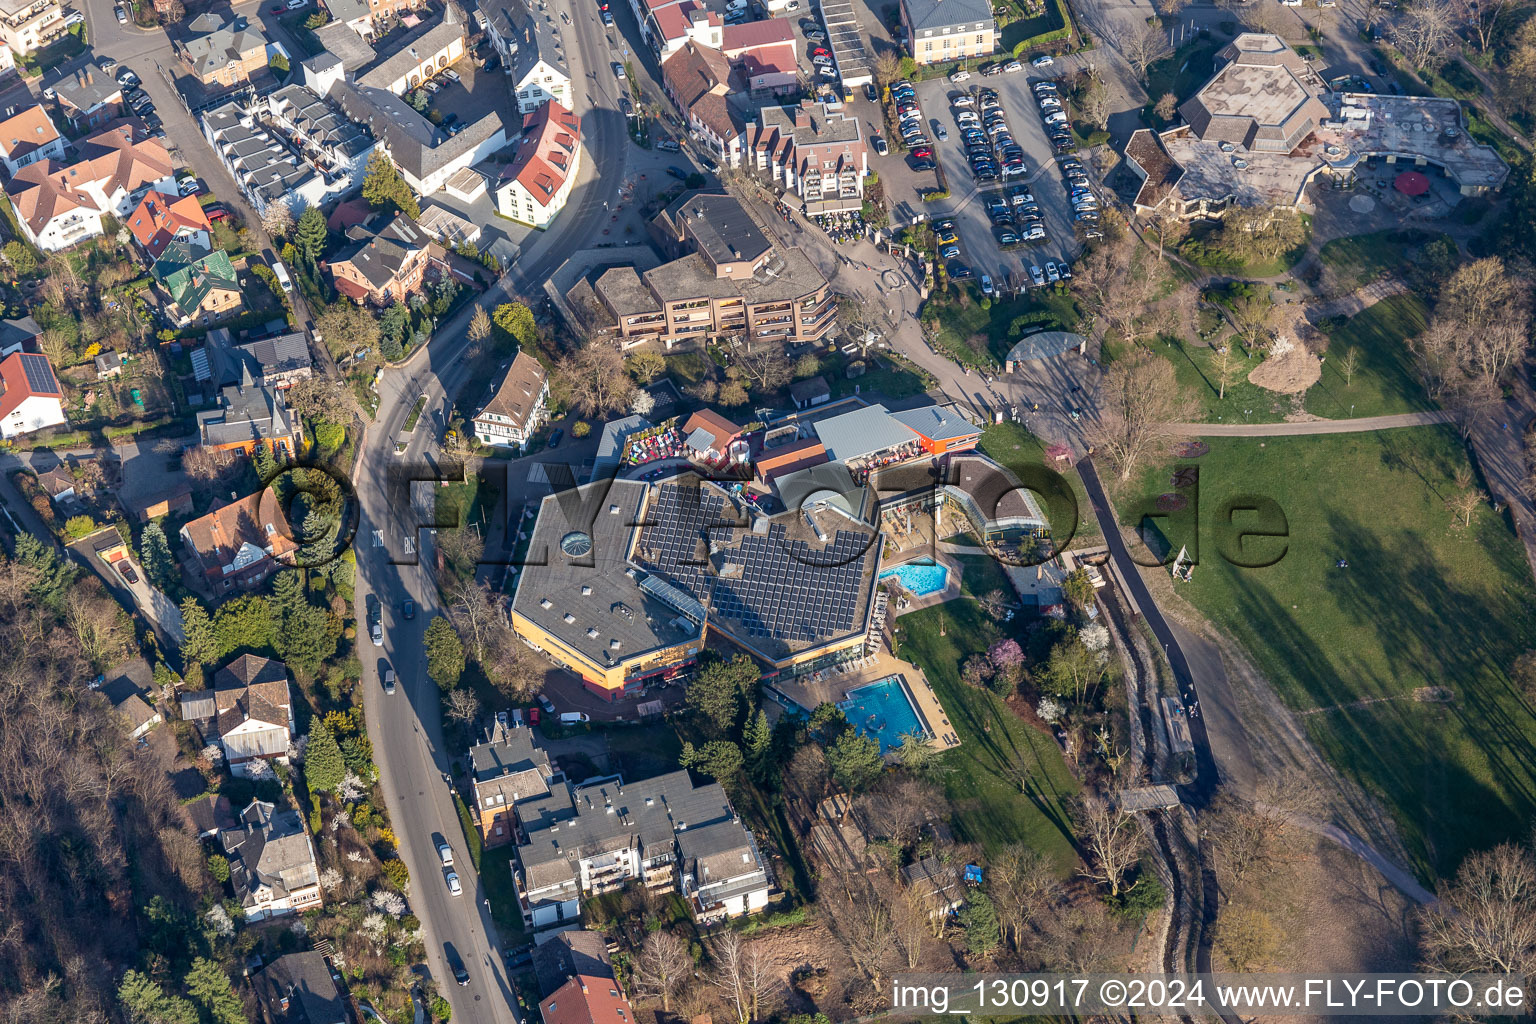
x: 1016, y: 449
x: 1362, y: 650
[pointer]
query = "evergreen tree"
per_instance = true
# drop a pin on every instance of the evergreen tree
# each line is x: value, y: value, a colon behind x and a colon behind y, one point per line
x: 383, y: 188
x: 323, y: 765
x: 722, y: 690
x: 155, y: 555
x: 147, y: 1003
x: 855, y: 761
x: 52, y: 576
x: 978, y: 918
x: 263, y: 462
x: 309, y: 237
x: 308, y: 637
x: 757, y: 738
x: 517, y: 320
x: 200, y: 645
x: 245, y: 623
x: 288, y: 593
x: 721, y: 760
x: 445, y: 654
x: 209, y: 987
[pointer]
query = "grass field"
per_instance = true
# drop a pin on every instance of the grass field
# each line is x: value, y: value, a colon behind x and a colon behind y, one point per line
x: 1012, y: 446
x: 974, y: 336
x: 1362, y: 258
x: 1383, y: 383
x: 1419, y: 605
x: 1006, y: 782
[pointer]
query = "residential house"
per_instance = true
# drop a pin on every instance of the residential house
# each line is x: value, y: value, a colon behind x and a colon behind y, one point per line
x: 943, y: 31
x: 248, y: 713
x: 324, y: 135
x: 532, y: 52
x: 384, y: 266
x: 299, y: 988
x: 28, y: 137
x: 108, y: 365
x: 763, y: 53
x: 171, y: 497
x: 221, y: 50
x: 508, y: 768
x: 58, y: 483
x: 58, y: 205
x: 672, y: 24
x: 369, y: 18
x: 422, y: 54
x: 814, y: 151
x: 535, y: 186
x: 587, y: 1000
x: 19, y: 335
x: 236, y: 545
x: 30, y: 395
x: 566, y: 954
x: 248, y: 414
x: 130, y: 691
x: 588, y: 840
x: 29, y: 25
x: 514, y: 413
x: 277, y: 362
x: 88, y: 97
x: 697, y: 79
x: 202, y: 284
x: 271, y: 863
x: 426, y: 155
x: 161, y: 219
x: 209, y: 815
x: 268, y: 172
x: 724, y: 277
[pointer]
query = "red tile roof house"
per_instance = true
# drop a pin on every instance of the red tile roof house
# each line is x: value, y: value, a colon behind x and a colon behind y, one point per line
x: 30, y: 396
x: 535, y: 186
x: 697, y: 79
x: 237, y: 545
x: 671, y: 23
x: 587, y: 1000
x: 763, y: 54
x: 162, y: 219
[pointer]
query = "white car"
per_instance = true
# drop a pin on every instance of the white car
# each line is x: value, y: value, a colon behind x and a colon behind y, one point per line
x: 450, y: 74
x: 1038, y: 276
x: 1051, y: 273
x: 445, y: 853
x: 389, y: 681
x: 963, y: 100
x: 960, y: 76
x: 1043, y: 62
x: 1058, y: 117
x: 736, y: 5
x: 122, y: 15
x: 74, y: 18
x: 1049, y: 103
x: 453, y: 884
x: 294, y: 5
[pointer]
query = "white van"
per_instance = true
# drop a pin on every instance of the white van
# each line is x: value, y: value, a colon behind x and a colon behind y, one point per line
x: 281, y: 273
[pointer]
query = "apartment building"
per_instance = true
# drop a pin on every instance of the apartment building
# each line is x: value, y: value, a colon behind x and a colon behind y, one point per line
x: 27, y: 26
x: 532, y: 52
x: 536, y: 185
x: 508, y: 769
x: 942, y: 31
x: 518, y: 408
x: 698, y: 79
x: 268, y: 169
x: 814, y: 151
x: 724, y: 277
x: 665, y: 832
x: 221, y: 51
x: 322, y: 134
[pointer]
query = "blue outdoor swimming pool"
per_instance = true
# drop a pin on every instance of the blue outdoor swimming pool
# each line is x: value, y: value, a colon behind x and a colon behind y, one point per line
x: 920, y: 578
x: 883, y: 711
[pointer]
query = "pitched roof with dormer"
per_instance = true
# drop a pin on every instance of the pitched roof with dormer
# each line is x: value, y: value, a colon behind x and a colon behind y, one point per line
x: 160, y: 219
x: 547, y: 154
x: 27, y: 132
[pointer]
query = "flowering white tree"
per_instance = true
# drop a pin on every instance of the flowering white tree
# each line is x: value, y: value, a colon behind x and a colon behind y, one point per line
x: 642, y: 403
x: 1051, y: 710
x: 260, y: 770
x: 330, y: 880
x: 355, y: 856
x: 296, y: 749
x: 386, y: 902
x: 351, y: 787
x: 1095, y: 637
x: 218, y: 919
x: 375, y: 927
x: 298, y: 927
x: 213, y: 754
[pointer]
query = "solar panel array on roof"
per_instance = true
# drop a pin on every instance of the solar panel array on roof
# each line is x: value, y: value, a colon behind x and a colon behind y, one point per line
x: 787, y: 590
x: 40, y: 376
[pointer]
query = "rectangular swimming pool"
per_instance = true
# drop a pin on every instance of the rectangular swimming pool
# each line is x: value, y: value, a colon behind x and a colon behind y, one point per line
x: 919, y: 578
x: 883, y: 711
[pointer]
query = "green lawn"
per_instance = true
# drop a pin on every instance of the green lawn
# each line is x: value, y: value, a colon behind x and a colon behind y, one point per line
x: 1006, y: 782
x: 1184, y: 71
x: 1243, y: 402
x: 1385, y: 382
x: 980, y: 337
x: 980, y: 575
x: 1012, y: 446
x: 886, y: 375
x: 1362, y: 258
x: 1419, y: 605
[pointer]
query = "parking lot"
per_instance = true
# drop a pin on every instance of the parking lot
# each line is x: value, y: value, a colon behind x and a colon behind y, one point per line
x: 967, y: 205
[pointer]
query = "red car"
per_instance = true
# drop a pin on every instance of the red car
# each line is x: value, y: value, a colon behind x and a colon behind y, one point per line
x: 922, y: 154
x: 215, y: 212
x: 821, y: 51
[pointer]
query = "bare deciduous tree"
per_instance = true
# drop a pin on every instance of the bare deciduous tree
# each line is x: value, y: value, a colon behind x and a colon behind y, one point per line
x: 1023, y: 885
x: 1486, y: 919
x: 1466, y: 500
x: 1253, y: 315
x: 1140, y: 397
x: 462, y: 705
x: 740, y: 973
x: 887, y: 67
x: 1245, y: 832
x: 595, y: 379
x: 869, y: 936
x: 1228, y: 370
x: 1144, y: 45
x: 1349, y: 365
x: 1112, y: 838
x: 1167, y: 106
x: 1423, y: 34
x: 663, y: 966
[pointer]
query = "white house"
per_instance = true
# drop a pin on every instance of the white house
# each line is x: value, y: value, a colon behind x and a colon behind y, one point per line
x: 29, y: 137
x: 518, y: 408
x: 248, y: 713
x: 271, y: 862
x: 30, y: 396
x: 535, y: 186
x: 532, y: 52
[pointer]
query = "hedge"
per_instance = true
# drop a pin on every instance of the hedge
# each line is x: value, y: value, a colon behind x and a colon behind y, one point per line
x: 1055, y: 35
x: 935, y: 195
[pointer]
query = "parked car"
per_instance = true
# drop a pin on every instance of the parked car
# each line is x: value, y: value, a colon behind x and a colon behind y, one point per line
x: 959, y: 271
x: 986, y: 285
x: 991, y: 69
x: 408, y: 610
x: 669, y: 146
x: 445, y: 853
x: 126, y: 77
x: 1006, y: 237
x: 125, y: 570
x: 547, y: 704
x: 376, y: 633
x: 389, y: 681
x: 950, y: 252
x: 947, y: 236
x: 871, y: 93
x: 922, y: 153
x: 1043, y: 62
x: 1013, y: 66
x: 958, y: 76
x: 1038, y: 276
x: 962, y: 100
x: 554, y: 438
x: 880, y: 145
x: 122, y: 15
x: 450, y: 74
x: 574, y: 718
x: 607, y: 17
x: 1052, y: 273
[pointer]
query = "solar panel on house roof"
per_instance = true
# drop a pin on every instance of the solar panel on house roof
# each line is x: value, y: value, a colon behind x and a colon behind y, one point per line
x: 40, y: 376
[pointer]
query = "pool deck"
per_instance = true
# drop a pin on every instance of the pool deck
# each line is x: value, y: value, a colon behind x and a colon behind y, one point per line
x: 951, y: 582
x: 810, y: 691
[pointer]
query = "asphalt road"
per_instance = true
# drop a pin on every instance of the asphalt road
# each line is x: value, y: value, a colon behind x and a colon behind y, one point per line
x: 406, y: 728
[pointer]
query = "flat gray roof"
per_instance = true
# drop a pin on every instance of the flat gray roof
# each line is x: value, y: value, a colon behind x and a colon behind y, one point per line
x: 862, y: 432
